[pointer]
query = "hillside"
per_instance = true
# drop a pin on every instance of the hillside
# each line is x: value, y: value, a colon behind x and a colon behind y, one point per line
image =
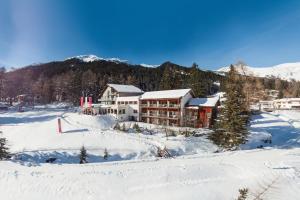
x: 67, y: 80
x: 286, y: 71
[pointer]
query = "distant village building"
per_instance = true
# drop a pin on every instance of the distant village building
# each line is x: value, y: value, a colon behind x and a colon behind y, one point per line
x: 167, y: 107
x: 280, y: 104
x: 267, y: 106
x: 271, y: 94
x: 287, y: 103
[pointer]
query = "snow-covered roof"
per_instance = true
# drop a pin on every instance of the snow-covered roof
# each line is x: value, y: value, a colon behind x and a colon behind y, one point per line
x: 205, y: 102
x: 126, y: 88
x: 166, y: 94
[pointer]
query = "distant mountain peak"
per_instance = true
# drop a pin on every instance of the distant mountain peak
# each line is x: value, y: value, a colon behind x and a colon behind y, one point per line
x: 149, y: 66
x: 285, y: 71
x: 93, y: 58
x: 85, y: 58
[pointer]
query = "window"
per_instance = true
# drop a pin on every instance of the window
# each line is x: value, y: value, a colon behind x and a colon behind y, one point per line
x: 126, y: 102
x: 119, y: 102
x: 135, y: 102
x: 135, y: 111
x: 123, y: 111
x: 120, y: 111
x: 130, y: 102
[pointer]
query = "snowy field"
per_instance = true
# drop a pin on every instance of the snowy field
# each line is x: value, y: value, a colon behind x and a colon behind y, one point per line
x: 269, y: 164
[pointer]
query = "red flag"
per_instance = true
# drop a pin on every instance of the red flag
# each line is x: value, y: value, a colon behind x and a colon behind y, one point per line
x: 81, y: 101
x: 90, y: 102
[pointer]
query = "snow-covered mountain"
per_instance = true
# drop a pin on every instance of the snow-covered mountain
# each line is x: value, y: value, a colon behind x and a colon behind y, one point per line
x: 286, y: 71
x: 93, y: 58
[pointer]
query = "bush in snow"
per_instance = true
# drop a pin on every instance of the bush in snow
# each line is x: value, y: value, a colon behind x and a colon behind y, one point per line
x: 163, y: 153
x: 117, y: 127
x: 105, y: 156
x: 243, y: 193
x: 83, y: 155
x: 187, y: 133
x: 123, y: 127
x: 4, y: 153
x: 137, y: 128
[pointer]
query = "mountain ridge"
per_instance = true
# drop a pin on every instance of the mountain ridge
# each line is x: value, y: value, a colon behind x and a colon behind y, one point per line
x: 285, y: 71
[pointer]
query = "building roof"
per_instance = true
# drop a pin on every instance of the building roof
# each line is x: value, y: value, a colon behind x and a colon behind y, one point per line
x: 126, y: 88
x: 205, y: 102
x: 166, y: 94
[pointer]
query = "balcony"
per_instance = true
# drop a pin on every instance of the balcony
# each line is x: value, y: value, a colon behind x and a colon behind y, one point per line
x: 158, y: 115
x: 160, y: 106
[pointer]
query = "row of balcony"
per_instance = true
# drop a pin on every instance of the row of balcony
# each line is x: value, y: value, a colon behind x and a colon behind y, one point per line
x: 171, y: 116
x: 160, y: 105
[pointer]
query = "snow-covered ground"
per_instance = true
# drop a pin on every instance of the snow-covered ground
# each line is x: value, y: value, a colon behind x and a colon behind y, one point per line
x: 133, y: 171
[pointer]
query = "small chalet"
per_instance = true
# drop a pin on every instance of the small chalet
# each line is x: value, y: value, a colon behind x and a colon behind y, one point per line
x: 121, y: 101
x: 200, y: 112
x: 112, y: 91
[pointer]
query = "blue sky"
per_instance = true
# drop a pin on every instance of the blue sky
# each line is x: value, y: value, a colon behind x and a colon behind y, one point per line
x: 212, y: 33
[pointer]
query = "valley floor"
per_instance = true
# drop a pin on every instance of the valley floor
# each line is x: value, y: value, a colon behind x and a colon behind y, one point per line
x: 133, y: 172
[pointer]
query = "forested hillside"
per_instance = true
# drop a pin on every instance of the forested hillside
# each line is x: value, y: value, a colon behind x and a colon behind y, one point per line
x: 67, y: 80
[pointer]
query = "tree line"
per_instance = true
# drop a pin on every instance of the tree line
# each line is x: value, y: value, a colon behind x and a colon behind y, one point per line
x: 70, y: 79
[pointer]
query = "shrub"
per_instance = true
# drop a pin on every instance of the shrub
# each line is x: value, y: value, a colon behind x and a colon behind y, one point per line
x: 83, y: 155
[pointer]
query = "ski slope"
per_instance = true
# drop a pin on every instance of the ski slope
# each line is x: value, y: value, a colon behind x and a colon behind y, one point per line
x: 133, y: 172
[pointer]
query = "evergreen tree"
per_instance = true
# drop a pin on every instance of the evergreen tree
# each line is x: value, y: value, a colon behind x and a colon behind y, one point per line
x: 105, y: 156
x: 243, y: 194
x: 166, y: 80
x: 196, y: 83
x: 4, y: 153
x: 137, y: 128
x: 83, y: 155
x: 230, y: 129
x: 123, y: 127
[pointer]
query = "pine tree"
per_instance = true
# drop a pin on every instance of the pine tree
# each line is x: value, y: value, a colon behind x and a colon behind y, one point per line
x: 137, y: 128
x: 243, y: 193
x: 123, y: 127
x: 83, y: 155
x: 4, y: 153
x: 105, y: 156
x: 196, y: 82
x: 166, y: 80
x: 230, y: 129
